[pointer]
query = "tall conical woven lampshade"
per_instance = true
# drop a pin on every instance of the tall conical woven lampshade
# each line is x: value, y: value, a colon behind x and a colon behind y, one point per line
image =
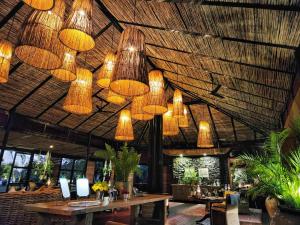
x: 40, y: 4
x: 177, y: 104
x: 204, y: 136
x: 170, y: 123
x: 106, y: 70
x: 67, y: 72
x: 115, y: 98
x: 79, y: 98
x: 137, y: 109
x: 184, y: 121
x: 156, y: 102
x: 38, y: 44
x: 129, y: 76
x: 77, y: 30
x: 5, y: 58
x: 124, y: 131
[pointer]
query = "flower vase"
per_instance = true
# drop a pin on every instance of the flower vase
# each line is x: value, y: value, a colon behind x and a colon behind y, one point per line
x: 105, y: 201
x: 99, y: 196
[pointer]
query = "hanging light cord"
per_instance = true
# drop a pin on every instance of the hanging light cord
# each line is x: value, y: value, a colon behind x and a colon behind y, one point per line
x: 112, y: 39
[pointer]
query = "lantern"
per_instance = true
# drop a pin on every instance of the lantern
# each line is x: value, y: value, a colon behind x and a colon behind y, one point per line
x: 156, y: 99
x: 115, y: 98
x: 40, y: 4
x: 67, y: 72
x: 77, y: 30
x: 38, y: 43
x: 204, y: 135
x: 106, y: 70
x: 5, y: 58
x: 137, y: 109
x: 129, y: 76
x: 184, y: 121
x: 124, y: 131
x: 170, y: 123
x: 79, y: 98
x: 177, y: 104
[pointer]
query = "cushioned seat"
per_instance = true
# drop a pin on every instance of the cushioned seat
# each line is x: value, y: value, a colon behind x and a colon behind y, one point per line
x: 114, y: 223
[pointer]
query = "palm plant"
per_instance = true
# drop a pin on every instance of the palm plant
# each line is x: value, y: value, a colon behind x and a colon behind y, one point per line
x: 124, y: 161
x: 275, y: 174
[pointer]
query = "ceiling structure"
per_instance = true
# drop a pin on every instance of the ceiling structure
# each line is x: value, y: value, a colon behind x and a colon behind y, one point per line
x: 234, y: 61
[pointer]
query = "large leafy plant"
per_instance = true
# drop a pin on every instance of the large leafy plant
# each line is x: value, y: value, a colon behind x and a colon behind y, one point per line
x: 190, y: 176
x: 276, y: 174
x: 124, y: 162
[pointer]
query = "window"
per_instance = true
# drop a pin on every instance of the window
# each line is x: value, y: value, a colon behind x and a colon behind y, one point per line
x: 37, y: 159
x: 98, y: 175
x: 5, y: 170
x: 19, y: 174
x: 72, y: 169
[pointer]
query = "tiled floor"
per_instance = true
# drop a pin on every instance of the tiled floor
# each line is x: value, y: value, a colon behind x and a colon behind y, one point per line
x: 180, y: 214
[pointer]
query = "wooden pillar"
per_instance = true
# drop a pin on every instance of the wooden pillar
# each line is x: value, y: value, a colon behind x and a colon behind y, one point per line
x: 156, y: 156
x: 7, y: 131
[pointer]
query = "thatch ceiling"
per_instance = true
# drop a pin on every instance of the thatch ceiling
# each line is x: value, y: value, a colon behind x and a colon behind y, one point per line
x: 245, y: 48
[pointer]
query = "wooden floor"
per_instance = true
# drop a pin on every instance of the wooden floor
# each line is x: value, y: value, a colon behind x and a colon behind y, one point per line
x: 180, y: 214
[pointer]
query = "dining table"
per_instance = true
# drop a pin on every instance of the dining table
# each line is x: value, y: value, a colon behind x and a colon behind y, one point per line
x: 209, y: 201
x: 80, y: 214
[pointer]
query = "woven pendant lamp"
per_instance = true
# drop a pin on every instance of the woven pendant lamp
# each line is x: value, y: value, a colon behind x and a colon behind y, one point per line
x: 156, y: 102
x: 38, y: 44
x: 67, y: 72
x: 115, y: 98
x: 129, y: 76
x: 177, y: 104
x: 124, y: 131
x: 184, y: 121
x: 77, y: 30
x: 5, y: 58
x: 204, y: 135
x: 170, y: 123
x: 79, y: 98
x: 137, y: 109
x: 106, y: 70
x: 40, y: 4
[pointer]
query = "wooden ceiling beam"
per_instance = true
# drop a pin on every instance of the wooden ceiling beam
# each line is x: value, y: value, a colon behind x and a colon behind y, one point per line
x: 108, y: 118
x: 205, y: 81
x: 11, y: 13
x: 233, y: 129
x: 193, y: 33
x: 238, y: 107
x: 276, y: 7
x: 145, y: 128
x: 193, y: 118
x: 224, y: 111
x: 213, y: 124
x: 31, y: 93
x: 220, y: 74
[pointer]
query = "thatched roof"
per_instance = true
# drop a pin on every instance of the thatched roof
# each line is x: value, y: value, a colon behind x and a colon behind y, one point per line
x: 241, y: 50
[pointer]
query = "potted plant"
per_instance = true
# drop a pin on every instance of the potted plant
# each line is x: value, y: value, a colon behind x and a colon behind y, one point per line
x: 124, y: 164
x: 101, y: 189
x: 43, y: 170
x: 276, y: 175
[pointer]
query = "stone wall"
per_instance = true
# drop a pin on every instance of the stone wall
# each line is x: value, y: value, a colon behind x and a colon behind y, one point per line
x: 212, y: 163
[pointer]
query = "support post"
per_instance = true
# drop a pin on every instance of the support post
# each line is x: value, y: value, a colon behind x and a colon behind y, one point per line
x: 6, y: 134
x: 156, y: 156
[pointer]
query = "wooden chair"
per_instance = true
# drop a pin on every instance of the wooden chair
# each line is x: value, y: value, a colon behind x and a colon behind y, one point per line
x: 228, y: 215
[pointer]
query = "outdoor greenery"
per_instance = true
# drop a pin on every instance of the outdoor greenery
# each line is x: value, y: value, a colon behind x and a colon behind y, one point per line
x: 124, y: 161
x: 190, y: 176
x: 276, y: 174
x: 43, y: 168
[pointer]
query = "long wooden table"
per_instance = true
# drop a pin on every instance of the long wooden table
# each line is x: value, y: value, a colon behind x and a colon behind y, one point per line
x: 54, y: 212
